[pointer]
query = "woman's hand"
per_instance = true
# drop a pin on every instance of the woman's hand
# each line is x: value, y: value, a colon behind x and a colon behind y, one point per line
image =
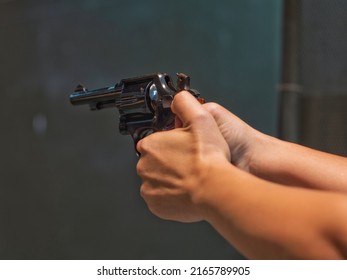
x: 175, y: 163
x: 243, y: 140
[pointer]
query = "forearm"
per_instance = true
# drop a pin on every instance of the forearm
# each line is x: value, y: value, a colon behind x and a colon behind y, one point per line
x: 291, y: 164
x: 265, y: 220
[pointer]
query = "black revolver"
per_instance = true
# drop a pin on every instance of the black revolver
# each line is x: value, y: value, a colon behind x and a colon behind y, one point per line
x: 143, y: 102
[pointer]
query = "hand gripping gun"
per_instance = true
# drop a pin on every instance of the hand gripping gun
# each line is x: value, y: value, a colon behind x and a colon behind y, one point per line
x: 144, y: 103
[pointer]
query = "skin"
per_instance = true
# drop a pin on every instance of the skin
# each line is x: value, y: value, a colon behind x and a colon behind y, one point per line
x: 269, y: 198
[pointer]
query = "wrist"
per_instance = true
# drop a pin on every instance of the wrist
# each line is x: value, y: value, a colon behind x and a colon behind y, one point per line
x: 265, y: 155
x: 216, y: 182
x: 277, y: 161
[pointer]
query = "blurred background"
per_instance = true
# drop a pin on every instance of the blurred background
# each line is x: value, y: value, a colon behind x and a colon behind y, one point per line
x: 69, y: 189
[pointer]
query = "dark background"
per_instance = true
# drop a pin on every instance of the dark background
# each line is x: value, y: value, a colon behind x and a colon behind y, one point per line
x: 68, y: 185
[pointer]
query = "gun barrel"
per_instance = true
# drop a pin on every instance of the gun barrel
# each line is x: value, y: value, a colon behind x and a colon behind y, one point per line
x: 98, y: 98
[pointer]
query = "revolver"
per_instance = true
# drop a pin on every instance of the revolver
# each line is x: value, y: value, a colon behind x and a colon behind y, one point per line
x: 144, y: 102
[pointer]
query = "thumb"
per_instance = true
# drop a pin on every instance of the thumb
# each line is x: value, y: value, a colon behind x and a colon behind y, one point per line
x: 193, y: 114
x: 186, y: 108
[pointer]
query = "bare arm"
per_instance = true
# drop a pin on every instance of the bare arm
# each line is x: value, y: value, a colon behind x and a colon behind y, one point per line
x: 264, y: 220
x: 293, y: 164
x: 279, y: 161
x: 187, y: 176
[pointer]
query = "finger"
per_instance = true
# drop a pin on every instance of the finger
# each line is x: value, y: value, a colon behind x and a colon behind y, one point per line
x: 139, y: 147
x: 187, y: 108
x: 178, y: 122
x: 220, y: 114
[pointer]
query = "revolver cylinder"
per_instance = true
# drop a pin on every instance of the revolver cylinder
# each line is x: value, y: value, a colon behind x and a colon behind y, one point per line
x: 144, y: 103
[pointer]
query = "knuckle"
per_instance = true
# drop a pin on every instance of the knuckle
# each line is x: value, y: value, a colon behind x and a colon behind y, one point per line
x: 145, y: 192
x: 139, y: 146
x: 201, y: 116
x: 140, y: 168
x: 143, y: 146
x: 212, y: 107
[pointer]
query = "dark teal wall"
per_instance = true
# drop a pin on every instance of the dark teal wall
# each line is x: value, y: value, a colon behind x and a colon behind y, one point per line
x: 68, y: 183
